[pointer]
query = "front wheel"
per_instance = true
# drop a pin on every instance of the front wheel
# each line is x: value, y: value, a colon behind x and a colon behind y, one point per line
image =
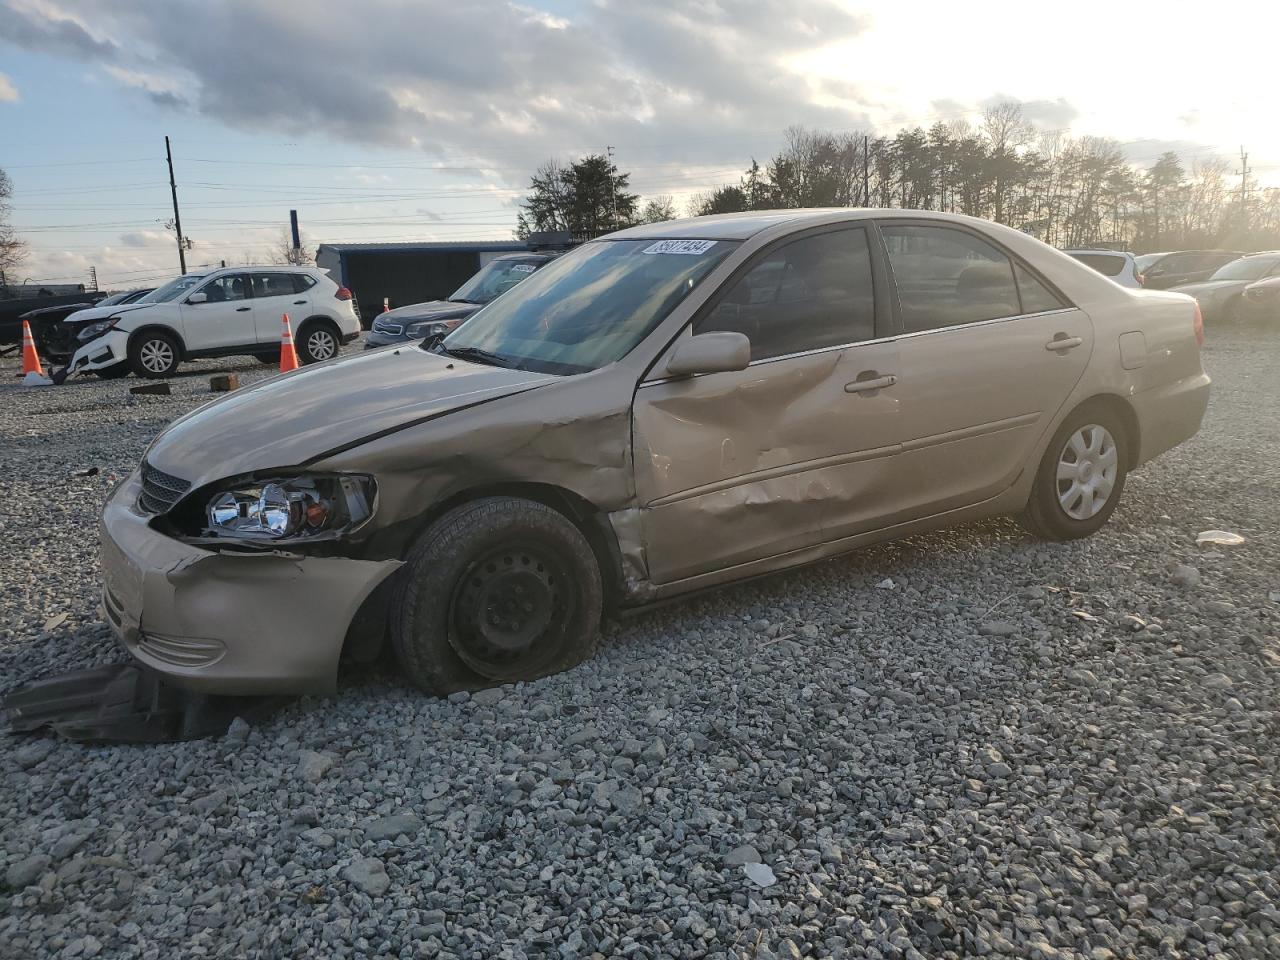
x: 1080, y: 478
x: 497, y: 590
x: 153, y: 354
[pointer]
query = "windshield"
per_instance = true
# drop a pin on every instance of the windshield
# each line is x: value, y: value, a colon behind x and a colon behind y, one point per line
x: 171, y: 290
x: 112, y: 300
x: 1246, y: 268
x: 590, y: 307
x: 495, y: 277
x: 1146, y: 260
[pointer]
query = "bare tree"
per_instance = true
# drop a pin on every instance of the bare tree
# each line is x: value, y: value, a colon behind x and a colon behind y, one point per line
x: 657, y: 209
x: 12, y: 250
x: 284, y: 251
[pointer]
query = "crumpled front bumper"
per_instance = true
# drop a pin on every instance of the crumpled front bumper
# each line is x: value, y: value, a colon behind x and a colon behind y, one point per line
x: 101, y: 352
x: 227, y: 622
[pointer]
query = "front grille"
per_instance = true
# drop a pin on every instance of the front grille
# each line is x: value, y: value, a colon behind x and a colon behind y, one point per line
x: 160, y: 490
x: 386, y: 326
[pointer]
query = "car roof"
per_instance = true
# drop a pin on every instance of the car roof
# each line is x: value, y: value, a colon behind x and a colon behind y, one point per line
x: 1105, y: 253
x: 743, y: 226
x: 524, y: 256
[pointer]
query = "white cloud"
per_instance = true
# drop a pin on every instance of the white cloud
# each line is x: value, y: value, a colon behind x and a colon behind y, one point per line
x: 8, y: 92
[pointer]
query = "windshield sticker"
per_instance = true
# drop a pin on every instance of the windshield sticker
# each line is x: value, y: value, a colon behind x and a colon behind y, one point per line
x: 523, y: 268
x: 692, y: 248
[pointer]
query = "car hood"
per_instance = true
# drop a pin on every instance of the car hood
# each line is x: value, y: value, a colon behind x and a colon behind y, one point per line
x: 290, y: 420
x: 45, y: 311
x: 433, y: 310
x: 1211, y: 287
x: 101, y: 313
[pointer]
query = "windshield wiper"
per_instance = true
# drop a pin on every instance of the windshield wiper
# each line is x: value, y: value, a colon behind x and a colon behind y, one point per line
x: 464, y: 300
x: 478, y: 355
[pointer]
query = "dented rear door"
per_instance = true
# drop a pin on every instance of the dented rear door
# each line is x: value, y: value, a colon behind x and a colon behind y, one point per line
x: 795, y: 449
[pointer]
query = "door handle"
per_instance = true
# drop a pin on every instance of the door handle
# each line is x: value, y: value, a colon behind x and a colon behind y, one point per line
x: 875, y: 383
x: 243, y: 309
x: 298, y: 302
x: 1061, y: 341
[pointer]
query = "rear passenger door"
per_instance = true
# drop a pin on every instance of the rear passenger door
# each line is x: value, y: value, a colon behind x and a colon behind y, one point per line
x: 276, y: 293
x: 794, y: 450
x: 989, y: 352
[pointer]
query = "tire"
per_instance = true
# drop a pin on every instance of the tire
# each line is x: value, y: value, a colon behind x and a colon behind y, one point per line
x: 517, y: 565
x: 154, y: 354
x: 318, y: 340
x: 113, y: 372
x: 1052, y: 512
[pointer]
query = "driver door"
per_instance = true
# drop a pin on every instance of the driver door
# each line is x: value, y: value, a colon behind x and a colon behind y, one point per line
x: 795, y: 449
x: 224, y: 318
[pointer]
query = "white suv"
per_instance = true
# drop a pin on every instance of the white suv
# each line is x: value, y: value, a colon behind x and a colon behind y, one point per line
x: 235, y: 311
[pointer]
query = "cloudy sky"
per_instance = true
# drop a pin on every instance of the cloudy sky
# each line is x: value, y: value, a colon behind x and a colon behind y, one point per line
x: 385, y: 119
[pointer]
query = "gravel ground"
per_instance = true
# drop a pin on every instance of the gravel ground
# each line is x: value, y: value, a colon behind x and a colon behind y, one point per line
x: 1012, y: 749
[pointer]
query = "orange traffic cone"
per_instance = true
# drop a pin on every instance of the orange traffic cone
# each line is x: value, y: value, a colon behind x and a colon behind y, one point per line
x: 288, y: 356
x: 30, y: 359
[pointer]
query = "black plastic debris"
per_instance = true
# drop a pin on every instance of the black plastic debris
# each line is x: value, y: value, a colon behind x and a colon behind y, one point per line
x: 123, y: 703
x: 90, y: 472
x: 151, y: 389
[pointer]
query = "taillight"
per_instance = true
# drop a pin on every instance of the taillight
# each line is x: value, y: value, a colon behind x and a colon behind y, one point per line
x: 1199, y: 326
x: 1142, y: 279
x: 343, y: 294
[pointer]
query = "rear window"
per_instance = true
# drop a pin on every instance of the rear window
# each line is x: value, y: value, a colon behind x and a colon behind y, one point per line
x: 1108, y: 266
x: 302, y: 282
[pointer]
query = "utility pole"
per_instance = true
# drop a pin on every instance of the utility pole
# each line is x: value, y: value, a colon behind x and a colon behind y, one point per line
x: 866, y: 170
x: 613, y: 188
x: 1243, y: 173
x: 93, y: 278
x: 297, y: 239
x: 177, y: 220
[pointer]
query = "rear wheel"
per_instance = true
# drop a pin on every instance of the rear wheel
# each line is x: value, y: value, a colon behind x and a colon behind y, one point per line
x: 318, y: 340
x: 153, y: 354
x: 1081, y: 476
x: 497, y: 590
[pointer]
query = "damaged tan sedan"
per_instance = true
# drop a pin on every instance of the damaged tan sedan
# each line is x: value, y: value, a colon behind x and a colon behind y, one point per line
x: 665, y: 409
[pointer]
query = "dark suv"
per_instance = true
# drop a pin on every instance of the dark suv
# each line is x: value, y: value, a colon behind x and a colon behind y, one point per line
x: 1160, y: 271
x: 438, y: 317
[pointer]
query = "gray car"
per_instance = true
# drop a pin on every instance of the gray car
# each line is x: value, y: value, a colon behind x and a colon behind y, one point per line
x: 1220, y: 296
x: 665, y: 409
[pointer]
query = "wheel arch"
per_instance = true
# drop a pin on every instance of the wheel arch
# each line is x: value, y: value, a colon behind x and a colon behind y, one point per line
x: 590, y: 520
x: 318, y: 318
x: 1122, y: 410
x: 162, y: 328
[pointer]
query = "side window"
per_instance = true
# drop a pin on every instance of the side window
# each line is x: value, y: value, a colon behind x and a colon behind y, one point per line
x: 302, y: 282
x: 273, y: 284
x: 948, y: 277
x: 808, y: 294
x: 222, y: 289
x: 1036, y: 297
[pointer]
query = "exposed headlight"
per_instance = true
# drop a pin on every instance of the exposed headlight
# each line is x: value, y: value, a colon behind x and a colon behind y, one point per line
x: 296, y: 508
x: 97, y: 329
x: 431, y: 328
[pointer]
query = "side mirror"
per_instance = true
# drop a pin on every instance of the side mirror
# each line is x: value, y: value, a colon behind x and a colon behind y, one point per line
x: 717, y: 352
x: 197, y: 298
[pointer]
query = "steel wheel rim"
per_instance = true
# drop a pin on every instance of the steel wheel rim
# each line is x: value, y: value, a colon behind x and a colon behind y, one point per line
x: 156, y: 356
x: 321, y: 345
x: 508, y: 611
x: 1087, y: 469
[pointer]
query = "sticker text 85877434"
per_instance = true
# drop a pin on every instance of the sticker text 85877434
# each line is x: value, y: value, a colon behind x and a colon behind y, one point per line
x: 693, y: 248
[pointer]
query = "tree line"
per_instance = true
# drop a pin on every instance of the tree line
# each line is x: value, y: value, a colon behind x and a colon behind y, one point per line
x: 1068, y: 191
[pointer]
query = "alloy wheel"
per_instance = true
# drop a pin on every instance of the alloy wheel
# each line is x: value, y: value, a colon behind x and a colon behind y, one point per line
x: 156, y: 356
x: 321, y: 345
